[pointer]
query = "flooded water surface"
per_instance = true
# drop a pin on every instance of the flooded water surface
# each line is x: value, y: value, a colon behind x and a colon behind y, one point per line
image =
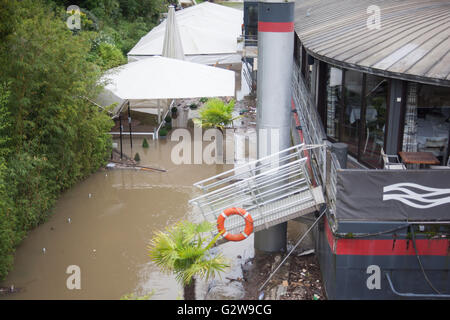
x: 103, y: 225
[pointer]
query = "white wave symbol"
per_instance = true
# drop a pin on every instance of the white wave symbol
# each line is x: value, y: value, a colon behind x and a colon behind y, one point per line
x: 421, y: 200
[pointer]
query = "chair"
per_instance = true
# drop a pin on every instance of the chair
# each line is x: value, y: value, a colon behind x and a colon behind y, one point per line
x: 396, y: 165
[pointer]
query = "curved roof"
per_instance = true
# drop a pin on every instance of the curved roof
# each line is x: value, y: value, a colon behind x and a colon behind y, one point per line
x: 412, y: 43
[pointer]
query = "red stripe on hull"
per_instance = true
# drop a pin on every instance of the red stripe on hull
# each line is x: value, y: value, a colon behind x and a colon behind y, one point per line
x: 386, y: 247
x: 275, y: 26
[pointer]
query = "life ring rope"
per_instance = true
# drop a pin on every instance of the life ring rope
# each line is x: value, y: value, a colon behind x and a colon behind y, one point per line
x: 230, y: 236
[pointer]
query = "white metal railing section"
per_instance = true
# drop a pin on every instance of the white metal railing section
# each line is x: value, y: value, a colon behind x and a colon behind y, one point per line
x: 324, y: 163
x: 273, y: 189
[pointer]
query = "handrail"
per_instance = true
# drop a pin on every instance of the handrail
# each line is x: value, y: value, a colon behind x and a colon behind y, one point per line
x: 162, y: 122
x: 325, y: 164
x: 249, y: 164
x: 414, y: 295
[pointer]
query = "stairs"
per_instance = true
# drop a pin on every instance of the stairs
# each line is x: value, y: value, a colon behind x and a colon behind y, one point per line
x: 273, y: 190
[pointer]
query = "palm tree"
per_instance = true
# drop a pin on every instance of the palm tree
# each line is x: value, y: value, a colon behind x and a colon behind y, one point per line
x: 184, y: 251
x: 216, y: 114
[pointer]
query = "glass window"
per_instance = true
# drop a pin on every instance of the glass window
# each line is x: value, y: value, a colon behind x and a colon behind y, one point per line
x: 351, y: 120
x: 334, y: 97
x: 433, y: 120
x: 372, y: 138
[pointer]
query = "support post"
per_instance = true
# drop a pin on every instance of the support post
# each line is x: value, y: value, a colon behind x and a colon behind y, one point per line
x: 121, y: 128
x: 129, y: 127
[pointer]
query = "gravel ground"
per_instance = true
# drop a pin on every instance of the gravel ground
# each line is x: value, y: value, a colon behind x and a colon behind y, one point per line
x: 298, y: 279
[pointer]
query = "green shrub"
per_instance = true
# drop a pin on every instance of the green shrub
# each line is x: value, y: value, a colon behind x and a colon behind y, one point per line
x: 163, y: 132
x: 193, y: 106
x: 145, y: 143
x: 168, y: 127
x: 168, y: 119
x: 203, y: 100
x: 137, y: 158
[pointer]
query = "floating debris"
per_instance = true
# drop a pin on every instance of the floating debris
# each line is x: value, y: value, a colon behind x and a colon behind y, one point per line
x: 44, y: 250
x: 69, y: 220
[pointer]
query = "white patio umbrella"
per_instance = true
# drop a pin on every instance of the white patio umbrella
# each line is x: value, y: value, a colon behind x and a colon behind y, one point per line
x: 163, y: 78
x: 172, y: 46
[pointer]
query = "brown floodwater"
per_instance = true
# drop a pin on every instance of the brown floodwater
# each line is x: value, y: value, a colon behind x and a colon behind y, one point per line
x: 113, y: 215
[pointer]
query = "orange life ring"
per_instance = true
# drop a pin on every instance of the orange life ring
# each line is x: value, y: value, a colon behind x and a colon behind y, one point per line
x: 235, y: 237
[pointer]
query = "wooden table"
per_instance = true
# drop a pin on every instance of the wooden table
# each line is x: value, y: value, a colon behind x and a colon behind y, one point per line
x: 418, y: 158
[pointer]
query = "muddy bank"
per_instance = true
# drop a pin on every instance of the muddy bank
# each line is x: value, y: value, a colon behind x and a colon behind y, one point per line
x: 299, y: 278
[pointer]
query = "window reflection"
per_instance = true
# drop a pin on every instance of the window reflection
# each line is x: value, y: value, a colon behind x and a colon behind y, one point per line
x: 351, y: 121
x: 433, y: 120
x: 334, y: 97
x: 372, y: 140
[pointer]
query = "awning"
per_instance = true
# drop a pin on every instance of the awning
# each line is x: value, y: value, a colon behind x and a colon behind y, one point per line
x: 164, y: 78
x: 208, y: 34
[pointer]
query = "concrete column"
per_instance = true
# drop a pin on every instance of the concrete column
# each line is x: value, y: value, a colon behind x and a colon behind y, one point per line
x: 275, y: 63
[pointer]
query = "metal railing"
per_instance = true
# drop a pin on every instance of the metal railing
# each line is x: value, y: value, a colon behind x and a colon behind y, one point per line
x: 273, y: 189
x: 156, y: 135
x: 324, y: 163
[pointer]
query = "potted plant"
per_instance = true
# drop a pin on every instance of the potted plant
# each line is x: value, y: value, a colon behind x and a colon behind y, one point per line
x: 168, y: 119
x: 145, y: 143
x: 163, y: 133
x: 174, y: 111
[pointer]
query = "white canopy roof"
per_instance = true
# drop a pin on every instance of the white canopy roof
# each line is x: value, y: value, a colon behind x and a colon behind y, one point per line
x: 172, y: 46
x: 164, y: 78
x: 208, y: 33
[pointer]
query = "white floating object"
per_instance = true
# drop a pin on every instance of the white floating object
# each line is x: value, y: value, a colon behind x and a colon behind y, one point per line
x: 90, y: 195
x: 94, y: 250
x: 43, y: 250
x: 305, y: 253
x: 69, y: 220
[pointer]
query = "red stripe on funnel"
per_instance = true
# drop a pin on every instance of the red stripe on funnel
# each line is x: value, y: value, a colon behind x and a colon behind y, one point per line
x: 275, y: 26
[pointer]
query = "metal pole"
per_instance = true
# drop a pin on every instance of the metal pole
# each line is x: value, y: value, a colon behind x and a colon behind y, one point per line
x: 275, y: 65
x: 121, y: 128
x: 129, y: 127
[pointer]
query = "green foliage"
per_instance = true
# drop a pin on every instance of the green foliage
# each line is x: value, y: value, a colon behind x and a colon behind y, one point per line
x: 168, y: 119
x: 184, y: 251
x: 137, y: 157
x: 193, y: 106
x: 163, y: 132
x: 50, y: 135
x: 109, y: 56
x: 145, y: 143
x: 215, y: 114
x: 203, y: 100
x: 168, y: 126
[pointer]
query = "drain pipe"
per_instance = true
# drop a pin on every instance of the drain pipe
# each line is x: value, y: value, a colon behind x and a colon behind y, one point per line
x: 275, y: 65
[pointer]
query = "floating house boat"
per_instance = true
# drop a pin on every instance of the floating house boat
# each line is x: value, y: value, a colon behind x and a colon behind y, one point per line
x: 369, y: 104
